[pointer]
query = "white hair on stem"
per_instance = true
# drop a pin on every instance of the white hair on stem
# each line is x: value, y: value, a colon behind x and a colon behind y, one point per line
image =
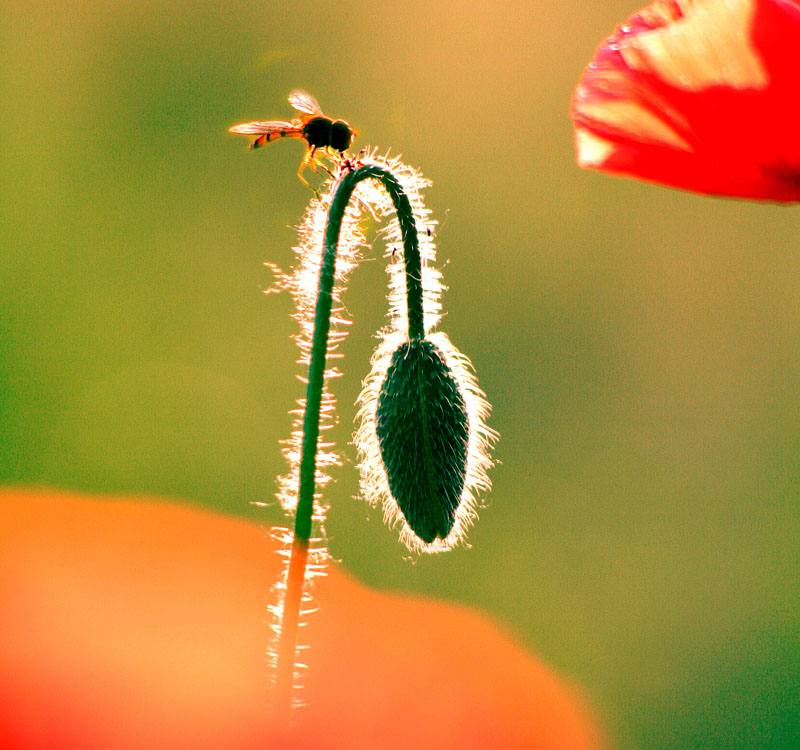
x: 371, y: 196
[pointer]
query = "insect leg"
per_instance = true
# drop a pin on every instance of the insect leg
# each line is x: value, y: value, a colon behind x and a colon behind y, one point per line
x: 312, y: 160
x: 325, y: 168
x: 303, y: 164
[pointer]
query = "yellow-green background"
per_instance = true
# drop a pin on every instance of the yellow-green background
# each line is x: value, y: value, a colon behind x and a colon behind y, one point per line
x: 640, y: 345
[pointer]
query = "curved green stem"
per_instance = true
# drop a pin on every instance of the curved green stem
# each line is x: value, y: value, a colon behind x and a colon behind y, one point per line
x: 316, y: 375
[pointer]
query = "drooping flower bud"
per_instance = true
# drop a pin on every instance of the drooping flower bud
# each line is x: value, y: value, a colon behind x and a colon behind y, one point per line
x: 423, y: 433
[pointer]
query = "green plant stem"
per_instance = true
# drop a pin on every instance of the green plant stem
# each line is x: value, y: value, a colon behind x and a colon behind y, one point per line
x: 316, y: 375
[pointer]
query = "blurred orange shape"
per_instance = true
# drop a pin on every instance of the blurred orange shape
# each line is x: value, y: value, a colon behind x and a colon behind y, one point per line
x: 697, y: 94
x: 135, y: 624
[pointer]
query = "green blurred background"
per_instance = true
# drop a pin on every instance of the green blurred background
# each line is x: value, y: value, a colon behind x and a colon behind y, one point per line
x: 640, y: 345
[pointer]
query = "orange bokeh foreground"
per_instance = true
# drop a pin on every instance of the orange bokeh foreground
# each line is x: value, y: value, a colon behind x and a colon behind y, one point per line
x: 136, y: 624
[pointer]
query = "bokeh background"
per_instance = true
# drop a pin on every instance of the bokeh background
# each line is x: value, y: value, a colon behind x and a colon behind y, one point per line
x: 640, y: 345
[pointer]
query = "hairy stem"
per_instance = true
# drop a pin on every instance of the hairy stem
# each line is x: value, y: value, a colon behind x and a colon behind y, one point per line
x: 316, y: 375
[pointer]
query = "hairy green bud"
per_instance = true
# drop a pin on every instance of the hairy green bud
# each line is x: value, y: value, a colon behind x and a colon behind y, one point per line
x: 423, y: 432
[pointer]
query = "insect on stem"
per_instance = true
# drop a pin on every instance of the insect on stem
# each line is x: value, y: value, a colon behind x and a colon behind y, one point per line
x: 320, y: 132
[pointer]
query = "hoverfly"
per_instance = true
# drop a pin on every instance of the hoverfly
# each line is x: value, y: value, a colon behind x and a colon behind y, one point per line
x: 318, y: 130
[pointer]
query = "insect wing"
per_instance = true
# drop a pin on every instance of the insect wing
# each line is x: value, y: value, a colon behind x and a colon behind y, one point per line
x: 261, y: 128
x: 304, y: 102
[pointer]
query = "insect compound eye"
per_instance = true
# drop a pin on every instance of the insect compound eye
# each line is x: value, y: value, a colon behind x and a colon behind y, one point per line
x: 341, y: 135
x: 318, y: 132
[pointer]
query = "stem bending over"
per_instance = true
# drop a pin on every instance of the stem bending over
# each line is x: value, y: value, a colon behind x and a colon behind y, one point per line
x: 422, y: 438
x: 311, y: 420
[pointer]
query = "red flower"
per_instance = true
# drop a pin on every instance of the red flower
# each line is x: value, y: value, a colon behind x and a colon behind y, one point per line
x: 140, y: 625
x: 698, y: 94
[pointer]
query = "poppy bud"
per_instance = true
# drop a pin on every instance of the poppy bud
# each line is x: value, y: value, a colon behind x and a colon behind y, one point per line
x: 423, y: 433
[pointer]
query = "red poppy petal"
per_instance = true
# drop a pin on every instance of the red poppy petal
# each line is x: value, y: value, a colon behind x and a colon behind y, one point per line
x: 698, y: 94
